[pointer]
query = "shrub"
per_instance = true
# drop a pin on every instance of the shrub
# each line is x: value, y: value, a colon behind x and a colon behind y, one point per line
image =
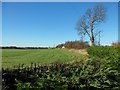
x: 76, y: 45
x: 90, y: 75
x: 103, y: 51
x: 117, y: 44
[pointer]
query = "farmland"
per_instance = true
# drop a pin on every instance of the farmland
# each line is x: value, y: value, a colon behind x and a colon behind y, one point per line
x: 62, y: 69
x: 13, y: 57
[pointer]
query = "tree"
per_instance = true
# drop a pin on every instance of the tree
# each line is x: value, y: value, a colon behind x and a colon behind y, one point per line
x: 87, y: 24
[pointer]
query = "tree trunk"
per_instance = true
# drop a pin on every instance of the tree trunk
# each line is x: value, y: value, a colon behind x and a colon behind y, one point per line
x: 92, y: 41
x: 99, y: 39
x: 91, y: 29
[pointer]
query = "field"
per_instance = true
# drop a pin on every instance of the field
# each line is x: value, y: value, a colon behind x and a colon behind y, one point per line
x: 61, y: 69
x: 13, y: 57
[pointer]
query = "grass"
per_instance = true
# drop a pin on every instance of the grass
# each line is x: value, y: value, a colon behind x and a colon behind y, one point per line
x: 13, y: 57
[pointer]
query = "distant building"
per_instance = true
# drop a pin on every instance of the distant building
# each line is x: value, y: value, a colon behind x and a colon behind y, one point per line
x: 63, y: 47
x: 60, y: 46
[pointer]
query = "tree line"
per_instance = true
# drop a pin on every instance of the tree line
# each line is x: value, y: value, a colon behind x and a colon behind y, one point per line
x: 15, y: 47
x: 74, y: 45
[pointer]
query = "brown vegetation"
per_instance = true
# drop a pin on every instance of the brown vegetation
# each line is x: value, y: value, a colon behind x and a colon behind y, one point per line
x: 117, y: 44
x: 74, y: 45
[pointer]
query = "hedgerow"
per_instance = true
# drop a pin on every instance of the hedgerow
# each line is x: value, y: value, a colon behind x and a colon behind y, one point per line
x: 103, y: 51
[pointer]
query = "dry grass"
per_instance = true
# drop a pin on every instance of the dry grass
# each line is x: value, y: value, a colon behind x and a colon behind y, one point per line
x: 81, y: 51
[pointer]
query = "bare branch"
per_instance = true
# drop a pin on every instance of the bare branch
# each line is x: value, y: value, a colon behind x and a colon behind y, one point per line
x: 99, y: 13
x: 89, y: 21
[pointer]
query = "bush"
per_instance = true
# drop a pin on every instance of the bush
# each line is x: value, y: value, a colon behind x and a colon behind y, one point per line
x: 109, y: 70
x: 76, y: 45
x: 117, y: 44
x: 84, y: 75
x: 103, y: 51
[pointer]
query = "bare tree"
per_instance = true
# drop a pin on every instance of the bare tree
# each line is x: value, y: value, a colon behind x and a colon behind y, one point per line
x: 87, y: 24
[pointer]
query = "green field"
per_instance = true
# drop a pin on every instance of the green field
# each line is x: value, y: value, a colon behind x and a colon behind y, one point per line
x: 13, y: 57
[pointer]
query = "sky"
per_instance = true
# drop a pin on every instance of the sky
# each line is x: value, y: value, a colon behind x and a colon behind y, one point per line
x: 51, y: 23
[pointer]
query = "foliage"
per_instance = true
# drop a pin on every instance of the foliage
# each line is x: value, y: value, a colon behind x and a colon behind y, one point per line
x: 103, y: 51
x: 117, y: 44
x: 76, y: 45
x: 66, y: 76
x: 15, y: 47
x: 110, y: 68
